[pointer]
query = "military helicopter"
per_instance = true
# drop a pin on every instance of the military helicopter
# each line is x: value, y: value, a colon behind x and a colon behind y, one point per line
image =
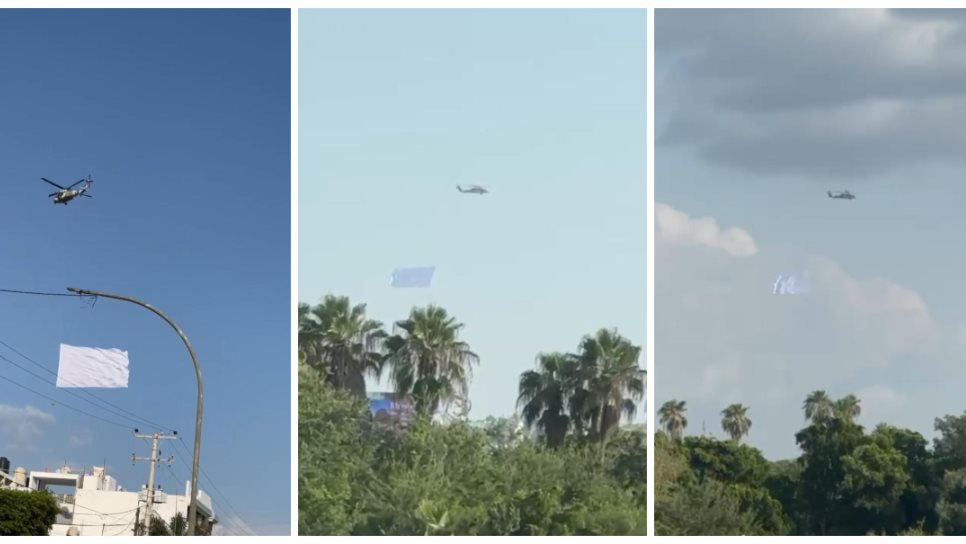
x: 66, y: 194
x: 841, y: 194
x: 476, y: 189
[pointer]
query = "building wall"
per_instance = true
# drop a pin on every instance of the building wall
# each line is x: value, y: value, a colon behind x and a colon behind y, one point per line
x: 108, y: 513
x: 112, y: 513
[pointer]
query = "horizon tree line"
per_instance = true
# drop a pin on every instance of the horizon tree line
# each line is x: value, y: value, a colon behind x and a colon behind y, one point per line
x: 582, y: 394
x: 818, y: 406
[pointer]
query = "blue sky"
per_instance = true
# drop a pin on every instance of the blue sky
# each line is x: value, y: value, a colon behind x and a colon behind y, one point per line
x: 183, y: 119
x: 752, y: 130
x: 543, y: 107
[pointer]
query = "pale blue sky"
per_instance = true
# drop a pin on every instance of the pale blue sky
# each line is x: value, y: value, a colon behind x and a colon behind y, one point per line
x: 543, y: 107
x: 752, y: 130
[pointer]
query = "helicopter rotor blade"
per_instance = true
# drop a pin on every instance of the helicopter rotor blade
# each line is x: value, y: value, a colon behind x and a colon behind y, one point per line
x: 76, y: 184
x: 87, y: 195
x: 52, y: 194
x: 52, y: 183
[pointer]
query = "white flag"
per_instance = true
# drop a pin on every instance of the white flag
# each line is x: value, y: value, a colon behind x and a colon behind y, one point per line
x: 91, y: 367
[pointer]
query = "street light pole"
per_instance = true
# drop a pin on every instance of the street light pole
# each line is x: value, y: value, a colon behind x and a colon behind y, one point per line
x: 193, y: 509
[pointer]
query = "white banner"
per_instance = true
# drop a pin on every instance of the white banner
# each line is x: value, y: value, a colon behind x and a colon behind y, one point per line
x: 92, y: 367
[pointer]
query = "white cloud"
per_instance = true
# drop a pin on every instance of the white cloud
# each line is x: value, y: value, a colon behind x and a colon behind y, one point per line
x: 675, y: 227
x: 23, y: 427
x: 80, y: 438
x: 721, y: 337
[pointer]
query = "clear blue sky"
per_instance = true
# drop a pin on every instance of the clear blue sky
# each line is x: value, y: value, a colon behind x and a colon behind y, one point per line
x: 545, y: 108
x: 752, y: 130
x: 183, y: 119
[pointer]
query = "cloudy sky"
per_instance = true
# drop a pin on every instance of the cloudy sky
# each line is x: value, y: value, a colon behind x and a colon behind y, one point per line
x: 758, y: 114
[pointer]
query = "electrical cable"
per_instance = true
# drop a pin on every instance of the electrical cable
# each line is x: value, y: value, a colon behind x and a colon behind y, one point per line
x: 88, y: 393
x: 64, y: 404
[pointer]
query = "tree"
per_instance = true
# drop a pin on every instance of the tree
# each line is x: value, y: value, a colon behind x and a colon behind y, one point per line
x: 545, y: 393
x: 952, y: 504
x: 848, y: 407
x: 335, y: 448
x: 918, y: 502
x: 735, y: 422
x: 705, y: 510
x: 339, y: 341
x: 672, y: 418
x: 817, y: 406
x: 616, y: 380
x: 874, y: 480
x: 726, y: 461
x: 504, y: 432
x: 429, y: 361
x: 824, y: 445
x: 178, y: 526
x: 26, y: 513
x: 950, y: 446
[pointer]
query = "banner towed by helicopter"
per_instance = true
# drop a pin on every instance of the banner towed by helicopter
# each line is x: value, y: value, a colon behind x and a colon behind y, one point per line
x: 92, y: 367
x: 791, y: 284
x: 418, y: 276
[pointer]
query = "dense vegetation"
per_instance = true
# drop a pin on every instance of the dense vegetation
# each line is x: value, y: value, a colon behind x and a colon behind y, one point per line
x: 24, y: 513
x: 562, y: 467
x: 845, y: 482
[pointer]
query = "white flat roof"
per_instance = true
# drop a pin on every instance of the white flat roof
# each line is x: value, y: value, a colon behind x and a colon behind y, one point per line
x: 54, y: 478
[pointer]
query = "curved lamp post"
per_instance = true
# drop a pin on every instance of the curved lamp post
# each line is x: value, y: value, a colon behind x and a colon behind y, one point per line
x: 193, y: 512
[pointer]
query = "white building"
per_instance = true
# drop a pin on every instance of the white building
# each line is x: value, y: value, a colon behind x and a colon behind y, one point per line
x: 95, y: 505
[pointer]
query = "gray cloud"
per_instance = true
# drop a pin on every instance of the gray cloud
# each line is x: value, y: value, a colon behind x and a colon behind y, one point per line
x: 827, y: 92
x: 22, y: 428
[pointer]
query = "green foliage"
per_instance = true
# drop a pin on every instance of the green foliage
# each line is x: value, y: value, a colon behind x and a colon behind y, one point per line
x: 584, y: 393
x: 24, y: 513
x: 952, y: 504
x: 178, y: 526
x: 334, y: 450
x: 845, y: 482
x: 456, y: 479
x: 584, y: 476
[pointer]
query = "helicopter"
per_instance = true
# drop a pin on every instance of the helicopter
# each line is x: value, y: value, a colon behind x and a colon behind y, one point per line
x: 66, y: 194
x: 841, y: 194
x: 476, y: 189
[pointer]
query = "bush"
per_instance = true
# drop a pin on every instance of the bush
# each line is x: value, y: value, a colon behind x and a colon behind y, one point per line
x: 25, y: 513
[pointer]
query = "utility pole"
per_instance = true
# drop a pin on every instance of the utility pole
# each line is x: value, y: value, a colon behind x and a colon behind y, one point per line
x: 193, y: 510
x: 153, y: 460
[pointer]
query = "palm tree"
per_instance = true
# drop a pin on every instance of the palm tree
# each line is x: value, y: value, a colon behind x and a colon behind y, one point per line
x: 615, y: 380
x: 429, y: 361
x: 545, y: 395
x: 178, y: 526
x: 735, y: 422
x: 848, y: 407
x: 673, y: 419
x: 306, y: 339
x: 339, y: 340
x: 818, y: 406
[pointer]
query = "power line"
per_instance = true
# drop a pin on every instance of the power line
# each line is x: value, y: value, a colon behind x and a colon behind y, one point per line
x: 88, y: 393
x: 64, y: 404
x: 211, y: 483
x: 45, y: 380
x: 39, y: 293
